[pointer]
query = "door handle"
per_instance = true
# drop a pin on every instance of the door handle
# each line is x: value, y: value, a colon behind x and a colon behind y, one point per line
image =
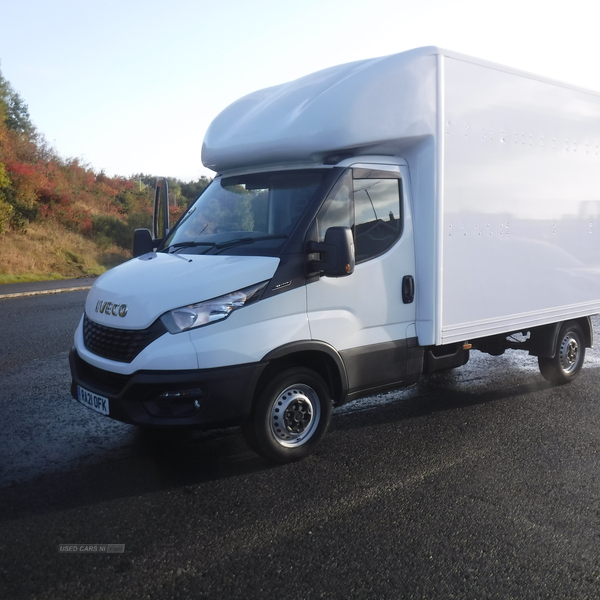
x: 408, y: 289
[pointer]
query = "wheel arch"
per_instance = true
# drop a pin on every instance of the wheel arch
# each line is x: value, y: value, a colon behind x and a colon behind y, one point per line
x: 544, y: 338
x: 315, y: 355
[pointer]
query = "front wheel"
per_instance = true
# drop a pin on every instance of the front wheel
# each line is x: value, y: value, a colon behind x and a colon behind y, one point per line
x: 568, y: 357
x: 290, y: 417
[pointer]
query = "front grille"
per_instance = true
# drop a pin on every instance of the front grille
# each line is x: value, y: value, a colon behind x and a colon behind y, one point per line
x: 122, y: 345
x: 99, y: 379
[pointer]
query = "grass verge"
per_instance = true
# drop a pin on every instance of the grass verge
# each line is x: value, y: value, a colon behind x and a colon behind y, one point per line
x: 49, y: 251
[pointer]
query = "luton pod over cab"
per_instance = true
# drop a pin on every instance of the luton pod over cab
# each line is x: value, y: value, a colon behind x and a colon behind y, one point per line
x: 369, y: 223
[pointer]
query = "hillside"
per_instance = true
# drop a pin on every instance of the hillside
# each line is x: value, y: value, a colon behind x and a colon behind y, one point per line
x: 60, y: 218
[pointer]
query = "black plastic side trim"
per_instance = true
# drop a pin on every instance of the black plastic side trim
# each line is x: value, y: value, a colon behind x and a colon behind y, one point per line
x: 375, y: 365
x: 414, y: 371
x: 365, y: 370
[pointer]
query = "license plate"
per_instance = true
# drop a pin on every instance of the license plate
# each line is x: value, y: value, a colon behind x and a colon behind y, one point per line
x: 93, y: 401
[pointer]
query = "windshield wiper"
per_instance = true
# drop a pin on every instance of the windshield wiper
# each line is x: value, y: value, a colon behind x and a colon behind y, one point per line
x: 181, y: 245
x: 246, y: 240
x: 173, y: 248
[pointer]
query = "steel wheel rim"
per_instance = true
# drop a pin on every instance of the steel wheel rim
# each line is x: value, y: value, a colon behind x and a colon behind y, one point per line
x: 295, y: 415
x: 569, y: 353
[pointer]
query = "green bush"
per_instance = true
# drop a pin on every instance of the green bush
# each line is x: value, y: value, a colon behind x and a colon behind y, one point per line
x: 139, y: 220
x: 108, y: 229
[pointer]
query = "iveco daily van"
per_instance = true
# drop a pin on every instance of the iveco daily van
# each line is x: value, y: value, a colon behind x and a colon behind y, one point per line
x: 369, y: 223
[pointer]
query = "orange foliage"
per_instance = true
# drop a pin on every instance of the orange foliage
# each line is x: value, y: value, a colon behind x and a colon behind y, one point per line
x: 41, y: 185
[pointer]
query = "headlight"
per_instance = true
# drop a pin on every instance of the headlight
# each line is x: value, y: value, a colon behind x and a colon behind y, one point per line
x: 217, y: 309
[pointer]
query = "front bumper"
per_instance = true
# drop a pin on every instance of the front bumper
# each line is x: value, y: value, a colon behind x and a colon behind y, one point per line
x: 203, y: 398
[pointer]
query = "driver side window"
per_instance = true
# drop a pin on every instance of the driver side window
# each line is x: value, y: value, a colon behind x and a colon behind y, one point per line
x: 377, y: 216
x: 371, y: 206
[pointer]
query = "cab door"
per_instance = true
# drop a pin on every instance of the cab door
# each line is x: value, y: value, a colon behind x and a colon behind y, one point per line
x: 369, y: 315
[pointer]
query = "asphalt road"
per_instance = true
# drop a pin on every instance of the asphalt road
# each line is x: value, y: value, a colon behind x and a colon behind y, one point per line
x: 481, y: 483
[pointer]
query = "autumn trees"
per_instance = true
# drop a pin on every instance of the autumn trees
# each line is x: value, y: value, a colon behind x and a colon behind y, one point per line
x: 37, y: 185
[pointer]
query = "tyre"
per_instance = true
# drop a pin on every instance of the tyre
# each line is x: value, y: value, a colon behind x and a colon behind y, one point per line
x: 568, y: 357
x: 290, y: 416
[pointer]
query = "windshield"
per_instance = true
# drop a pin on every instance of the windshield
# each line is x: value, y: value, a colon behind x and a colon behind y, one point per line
x: 259, y: 209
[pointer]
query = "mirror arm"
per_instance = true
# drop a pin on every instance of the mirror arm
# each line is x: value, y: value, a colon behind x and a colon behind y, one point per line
x: 327, y: 256
x: 337, y: 253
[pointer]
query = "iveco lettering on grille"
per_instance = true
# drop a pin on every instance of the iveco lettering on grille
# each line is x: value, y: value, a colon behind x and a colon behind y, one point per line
x: 108, y: 308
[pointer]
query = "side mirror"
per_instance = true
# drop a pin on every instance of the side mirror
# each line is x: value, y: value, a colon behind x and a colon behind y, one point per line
x: 160, y: 221
x: 142, y: 242
x: 336, y: 252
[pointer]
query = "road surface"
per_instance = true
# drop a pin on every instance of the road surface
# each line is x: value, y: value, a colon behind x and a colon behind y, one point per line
x: 480, y: 483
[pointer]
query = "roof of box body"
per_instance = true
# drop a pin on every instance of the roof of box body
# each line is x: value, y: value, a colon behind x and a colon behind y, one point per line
x: 373, y: 106
x: 363, y: 104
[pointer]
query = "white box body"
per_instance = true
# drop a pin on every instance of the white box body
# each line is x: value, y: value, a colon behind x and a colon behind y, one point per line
x: 504, y: 170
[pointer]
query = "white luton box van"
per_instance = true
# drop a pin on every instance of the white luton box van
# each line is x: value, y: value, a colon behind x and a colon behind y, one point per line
x: 369, y: 223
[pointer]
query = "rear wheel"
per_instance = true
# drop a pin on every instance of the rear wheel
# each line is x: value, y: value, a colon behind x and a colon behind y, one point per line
x: 290, y: 417
x: 568, y: 357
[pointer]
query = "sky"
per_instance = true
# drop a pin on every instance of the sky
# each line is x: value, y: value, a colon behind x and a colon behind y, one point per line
x: 131, y: 86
